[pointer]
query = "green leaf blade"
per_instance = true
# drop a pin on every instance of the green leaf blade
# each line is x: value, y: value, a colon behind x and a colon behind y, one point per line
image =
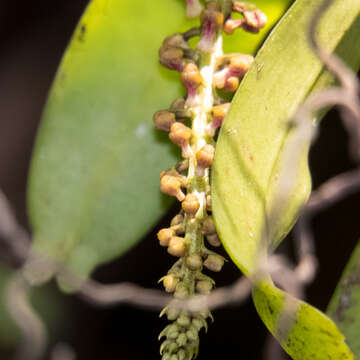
x: 344, y: 306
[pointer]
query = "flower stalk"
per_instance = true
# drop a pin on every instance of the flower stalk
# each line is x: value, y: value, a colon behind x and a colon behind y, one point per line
x: 203, y: 70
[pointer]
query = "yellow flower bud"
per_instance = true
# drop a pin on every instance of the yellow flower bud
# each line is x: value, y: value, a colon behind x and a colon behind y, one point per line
x: 170, y: 185
x: 240, y: 64
x: 176, y: 246
x: 231, y: 84
x: 190, y: 204
x: 170, y: 282
x: 194, y: 262
x: 164, y: 236
x: 180, y: 135
x: 190, y: 76
x: 204, y: 158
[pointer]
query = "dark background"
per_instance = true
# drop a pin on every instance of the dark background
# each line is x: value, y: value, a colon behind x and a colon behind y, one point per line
x: 33, y: 36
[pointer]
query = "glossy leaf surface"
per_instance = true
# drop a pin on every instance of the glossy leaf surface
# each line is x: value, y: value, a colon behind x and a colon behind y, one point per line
x: 344, y: 307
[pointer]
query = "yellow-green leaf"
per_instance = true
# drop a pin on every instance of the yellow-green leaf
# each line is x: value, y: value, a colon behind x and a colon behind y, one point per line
x: 249, y: 149
x: 344, y: 306
x: 312, y: 335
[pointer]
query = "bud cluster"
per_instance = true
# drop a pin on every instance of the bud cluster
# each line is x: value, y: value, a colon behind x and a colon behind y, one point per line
x: 192, y: 123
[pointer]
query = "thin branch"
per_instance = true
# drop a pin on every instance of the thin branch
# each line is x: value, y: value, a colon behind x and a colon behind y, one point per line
x: 32, y: 328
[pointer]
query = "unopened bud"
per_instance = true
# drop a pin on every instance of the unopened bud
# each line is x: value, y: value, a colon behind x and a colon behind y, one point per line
x: 174, y: 357
x: 179, y: 109
x: 214, y: 262
x: 190, y: 204
x: 173, y: 347
x: 192, y: 335
x: 219, y: 112
x: 231, y: 25
x: 182, y: 165
x: 163, y: 120
x: 254, y: 21
x: 181, y: 291
x: 171, y: 57
x: 172, y: 313
x: 170, y: 281
x: 199, y: 323
x: 211, y: 20
x: 193, y: 8
x: 180, y: 135
x: 194, y: 262
x: 191, y: 78
x: 166, y: 356
x: 176, y: 40
x: 213, y: 240
x: 176, y: 246
x: 204, y: 287
x: 204, y: 158
x: 231, y: 84
x: 209, y: 226
x: 164, y: 236
x: 240, y: 64
x: 184, y: 320
x: 171, y: 185
x: 181, y: 341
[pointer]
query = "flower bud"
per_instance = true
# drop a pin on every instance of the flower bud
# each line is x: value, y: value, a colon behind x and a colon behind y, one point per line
x: 213, y: 240
x: 170, y: 281
x: 190, y: 204
x: 172, y: 335
x: 171, y: 185
x: 176, y: 246
x: 214, y: 262
x: 209, y: 226
x: 219, y: 112
x: 204, y: 158
x: 181, y: 291
x: 191, y: 78
x: 231, y: 84
x: 173, y: 347
x: 174, y: 357
x: 181, y: 341
x: 182, y: 165
x: 241, y: 7
x: 174, y: 173
x: 194, y: 262
x: 183, y: 320
x: 179, y: 109
x: 212, y: 19
x: 177, y: 224
x: 240, y: 64
x: 232, y: 24
x: 172, y: 313
x: 164, y: 236
x: 254, y: 21
x: 180, y: 135
x: 175, y: 40
x: 166, y: 356
x: 204, y: 287
x: 163, y: 120
x: 192, y: 335
x: 182, y: 353
x: 171, y: 57
x: 193, y: 8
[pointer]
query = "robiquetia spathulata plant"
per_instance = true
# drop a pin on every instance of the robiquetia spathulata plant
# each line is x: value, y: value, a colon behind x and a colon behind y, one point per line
x: 207, y: 74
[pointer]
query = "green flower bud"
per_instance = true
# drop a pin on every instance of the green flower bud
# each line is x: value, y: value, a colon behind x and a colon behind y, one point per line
x: 204, y: 287
x: 214, y: 262
x: 184, y: 320
x: 166, y: 356
x: 192, y: 335
x: 181, y: 291
x: 194, y: 262
x: 174, y: 357
x: 182, y: 354
x: 173, y: 347
x: 181, y: 340
x: 172, y: 313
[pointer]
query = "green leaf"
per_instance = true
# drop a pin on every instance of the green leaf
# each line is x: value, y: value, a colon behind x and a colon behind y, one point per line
x: 344, y: 306
x: 249, y: 149
x: 94, y: 179
x: 312, y: 335
x: 249, y: 155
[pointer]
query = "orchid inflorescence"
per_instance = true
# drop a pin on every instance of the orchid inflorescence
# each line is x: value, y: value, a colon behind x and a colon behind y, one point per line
x: 192, y: 123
